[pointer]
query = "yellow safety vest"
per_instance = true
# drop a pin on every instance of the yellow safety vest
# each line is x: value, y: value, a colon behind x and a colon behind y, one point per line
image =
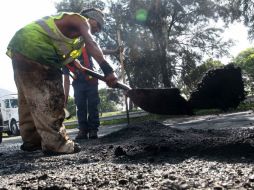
x: 69, y: 49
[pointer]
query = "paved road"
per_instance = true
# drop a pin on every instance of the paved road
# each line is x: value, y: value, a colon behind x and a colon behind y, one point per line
x: 221, y: 121
x: 15, y: 142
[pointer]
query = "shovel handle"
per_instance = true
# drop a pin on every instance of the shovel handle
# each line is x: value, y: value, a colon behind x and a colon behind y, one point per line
x: 101, y: 77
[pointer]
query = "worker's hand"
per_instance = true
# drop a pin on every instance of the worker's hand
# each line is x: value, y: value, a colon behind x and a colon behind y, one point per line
x: 77, y: 65
x: 111, y: 80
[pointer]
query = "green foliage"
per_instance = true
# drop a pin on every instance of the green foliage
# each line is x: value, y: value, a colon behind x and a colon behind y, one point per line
x: 71, y: 106
x: 78, y: 5
x: 207, y: 111
x: 195, y: 75
x: 173, y: 37
x: 108, y: 100
x: 245, y: 60
x: 245, y: 106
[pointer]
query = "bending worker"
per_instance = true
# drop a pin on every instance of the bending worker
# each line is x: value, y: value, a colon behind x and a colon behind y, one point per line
x: 38, y: 52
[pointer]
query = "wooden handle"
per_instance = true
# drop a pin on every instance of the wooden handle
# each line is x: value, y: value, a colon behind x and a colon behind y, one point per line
x: 102, y: 78
x: 94, y: 74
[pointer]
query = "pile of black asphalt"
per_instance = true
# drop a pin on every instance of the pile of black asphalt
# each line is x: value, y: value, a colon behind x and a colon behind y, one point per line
x: 221, y: 88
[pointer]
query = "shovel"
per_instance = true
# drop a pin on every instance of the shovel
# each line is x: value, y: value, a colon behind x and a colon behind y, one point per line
x: 166, y: 101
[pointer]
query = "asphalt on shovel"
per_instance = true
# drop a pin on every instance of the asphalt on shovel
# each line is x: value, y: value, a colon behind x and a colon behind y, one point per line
x: 167, y: 101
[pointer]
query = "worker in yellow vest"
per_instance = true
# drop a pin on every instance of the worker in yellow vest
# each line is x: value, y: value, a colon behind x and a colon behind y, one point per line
x: 38, y: 52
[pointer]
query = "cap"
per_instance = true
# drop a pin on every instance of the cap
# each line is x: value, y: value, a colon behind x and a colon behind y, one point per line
x: 95, y: 14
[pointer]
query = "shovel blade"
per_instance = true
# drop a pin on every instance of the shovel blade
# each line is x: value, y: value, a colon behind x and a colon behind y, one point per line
x: 166, y: 101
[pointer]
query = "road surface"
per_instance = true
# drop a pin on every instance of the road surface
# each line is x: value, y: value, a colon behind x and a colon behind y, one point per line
x: 220, y: 121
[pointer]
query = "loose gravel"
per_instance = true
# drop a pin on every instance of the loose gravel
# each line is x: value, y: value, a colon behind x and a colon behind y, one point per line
x: 148, y: 155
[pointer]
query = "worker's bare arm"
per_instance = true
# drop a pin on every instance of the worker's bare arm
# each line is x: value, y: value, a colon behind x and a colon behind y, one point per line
x: 83, y: 28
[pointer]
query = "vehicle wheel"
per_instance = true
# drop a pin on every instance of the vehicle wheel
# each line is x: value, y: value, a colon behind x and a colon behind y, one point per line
x: 14, y: 128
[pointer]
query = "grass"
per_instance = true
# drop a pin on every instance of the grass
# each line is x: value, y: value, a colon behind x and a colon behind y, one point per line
x: 120, y: 121
x: 242, y: 107
x: 106, y: 114
x: 207, y: 111
x: 246, y: 106
x: 134, y: 120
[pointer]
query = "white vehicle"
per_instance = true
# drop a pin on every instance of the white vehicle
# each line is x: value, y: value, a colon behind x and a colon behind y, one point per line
x: 9, y: 117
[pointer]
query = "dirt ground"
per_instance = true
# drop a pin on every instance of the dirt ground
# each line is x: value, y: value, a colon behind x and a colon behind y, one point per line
x: 205, y: 152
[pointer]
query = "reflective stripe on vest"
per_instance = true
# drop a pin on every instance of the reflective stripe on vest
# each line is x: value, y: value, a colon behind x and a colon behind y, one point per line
x: 68, y: 55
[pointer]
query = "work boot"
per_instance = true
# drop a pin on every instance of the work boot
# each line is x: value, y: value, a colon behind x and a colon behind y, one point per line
x: 77, y: 149
x: 82, y: 134
x: 93, y: 134
x: 30, y: 147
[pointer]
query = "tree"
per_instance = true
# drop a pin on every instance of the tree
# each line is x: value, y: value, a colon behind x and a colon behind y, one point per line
x: 245, y: 60
x: 78, y: 5
x: 191, y: 79
x: 167, y: 32
x: 161, y: 38
x: 107, y: 100
x: 241, y: 11
x: 71, y: 106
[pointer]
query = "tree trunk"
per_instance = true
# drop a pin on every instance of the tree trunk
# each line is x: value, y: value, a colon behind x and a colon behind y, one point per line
x: 158, y: 25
